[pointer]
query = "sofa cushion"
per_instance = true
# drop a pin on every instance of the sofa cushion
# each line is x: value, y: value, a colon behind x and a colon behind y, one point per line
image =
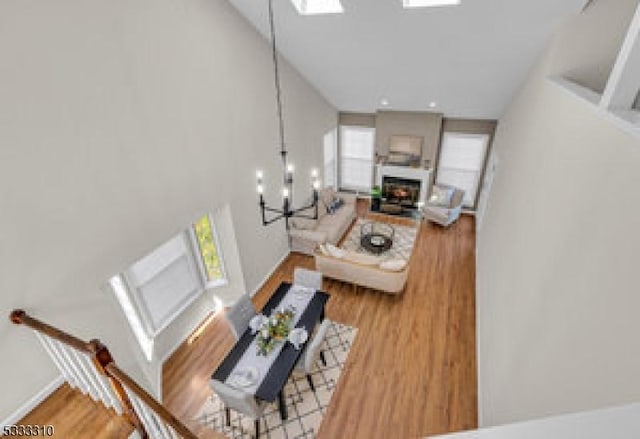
x: 361, y: 258
x: 393, y: 264
x: 304, y: 223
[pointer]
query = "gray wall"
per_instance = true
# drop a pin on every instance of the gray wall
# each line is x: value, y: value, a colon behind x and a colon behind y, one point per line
x: 557, y: 273
x: 120, y: 123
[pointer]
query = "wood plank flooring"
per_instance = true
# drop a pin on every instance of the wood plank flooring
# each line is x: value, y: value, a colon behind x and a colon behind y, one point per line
x: 74, y: 415
x: 411, y: 371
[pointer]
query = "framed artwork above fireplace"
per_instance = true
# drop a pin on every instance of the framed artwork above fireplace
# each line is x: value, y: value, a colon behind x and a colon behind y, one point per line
x: 405, y: 150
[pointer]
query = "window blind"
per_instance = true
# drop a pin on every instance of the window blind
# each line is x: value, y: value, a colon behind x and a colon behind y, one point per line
x: 356, y: 157
x: 461, y: 161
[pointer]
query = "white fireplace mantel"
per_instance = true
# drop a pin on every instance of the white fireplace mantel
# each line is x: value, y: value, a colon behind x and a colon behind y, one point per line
x: 420, y: 174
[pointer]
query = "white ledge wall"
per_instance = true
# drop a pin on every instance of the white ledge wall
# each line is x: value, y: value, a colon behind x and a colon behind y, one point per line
x: 120, y: 123
x: 557, y: 273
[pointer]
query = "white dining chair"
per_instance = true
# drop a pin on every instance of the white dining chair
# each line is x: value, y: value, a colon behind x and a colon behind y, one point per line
x: 240, y: 401
x: 307, y: 361
x: 239, y: 315
x: 307, y: 278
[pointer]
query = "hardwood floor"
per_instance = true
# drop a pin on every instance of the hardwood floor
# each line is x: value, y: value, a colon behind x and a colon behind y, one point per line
x: 74, y: 415
x: 410, y: 373
x: 412, y: 369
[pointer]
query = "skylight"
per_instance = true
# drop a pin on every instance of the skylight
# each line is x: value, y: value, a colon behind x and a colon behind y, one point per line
x: 428, y: 3
x: 312, y: 7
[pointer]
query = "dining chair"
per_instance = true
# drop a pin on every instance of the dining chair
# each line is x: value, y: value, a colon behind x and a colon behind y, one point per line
x: 239, y: 315
x: 307, y: 278
x: 240, y: 401
x: 307, y: 361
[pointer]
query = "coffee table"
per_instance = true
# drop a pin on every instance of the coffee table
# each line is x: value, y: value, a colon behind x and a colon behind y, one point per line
x: 376, y: 237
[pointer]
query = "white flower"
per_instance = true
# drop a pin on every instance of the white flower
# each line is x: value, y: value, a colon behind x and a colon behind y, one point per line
x: 274, y: 321
x: 265, y: 333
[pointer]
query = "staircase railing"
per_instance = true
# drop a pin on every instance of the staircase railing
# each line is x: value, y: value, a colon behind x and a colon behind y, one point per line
x: 90, y: 368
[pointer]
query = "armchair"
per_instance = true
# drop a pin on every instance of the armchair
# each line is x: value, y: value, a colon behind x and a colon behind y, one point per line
x: 445, y: 215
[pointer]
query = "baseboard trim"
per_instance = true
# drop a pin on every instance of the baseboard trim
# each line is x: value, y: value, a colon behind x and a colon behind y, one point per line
x: 270, y: 273
x: 32, y: 403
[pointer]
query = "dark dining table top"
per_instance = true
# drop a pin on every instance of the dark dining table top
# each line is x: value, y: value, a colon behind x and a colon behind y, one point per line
x: 277, y: 376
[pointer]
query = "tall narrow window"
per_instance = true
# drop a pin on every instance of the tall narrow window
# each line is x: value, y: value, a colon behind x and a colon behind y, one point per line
x: 461, y: 160
x: 211, y: 262
x: 356, y: 157
x: 330, y: 159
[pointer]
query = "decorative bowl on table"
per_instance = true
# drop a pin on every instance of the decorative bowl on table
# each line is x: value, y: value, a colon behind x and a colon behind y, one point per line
x: 274, y: 330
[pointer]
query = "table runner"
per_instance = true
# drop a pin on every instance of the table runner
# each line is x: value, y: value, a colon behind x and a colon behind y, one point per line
x: 250, y: 357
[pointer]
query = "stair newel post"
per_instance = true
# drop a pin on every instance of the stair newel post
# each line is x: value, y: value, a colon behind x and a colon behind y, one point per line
x: 101, y: 358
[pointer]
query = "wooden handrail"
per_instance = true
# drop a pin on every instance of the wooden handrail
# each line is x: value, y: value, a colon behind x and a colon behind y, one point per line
x: 20, y: 317
x: 99, y: 354
x: 113, y: 370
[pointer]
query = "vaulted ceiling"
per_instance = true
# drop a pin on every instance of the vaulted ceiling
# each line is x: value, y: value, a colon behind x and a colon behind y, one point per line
x: 469, y: 59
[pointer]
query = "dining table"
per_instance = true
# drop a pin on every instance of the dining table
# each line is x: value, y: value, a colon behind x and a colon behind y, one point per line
x: 278, y: 364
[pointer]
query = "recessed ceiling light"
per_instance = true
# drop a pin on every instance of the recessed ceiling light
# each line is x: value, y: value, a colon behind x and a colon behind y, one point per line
x: 313, y: 7
x: 428, y: 3
x: 384, y: 102
x: 433, y: 104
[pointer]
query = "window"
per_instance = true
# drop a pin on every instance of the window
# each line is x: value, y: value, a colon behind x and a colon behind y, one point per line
x: 356, y: 157
x: 461, y: 161
x: 158, y: 287
x: 207, y: 245
x: 330, y: 159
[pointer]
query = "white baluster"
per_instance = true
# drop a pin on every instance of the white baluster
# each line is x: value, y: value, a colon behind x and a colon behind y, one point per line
x: 67, y: 354
x: 91, y: 386
x: 57, y: 359
x: 94, y: 375
x: 143, y: 414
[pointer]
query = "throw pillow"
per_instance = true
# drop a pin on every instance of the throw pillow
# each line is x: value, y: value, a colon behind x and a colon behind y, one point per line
x: 335, y: 251
x: 335, y: 205
x: 441, y: 196
x: 323, y: 250
x: 393, y: 264
x: 326, y: 196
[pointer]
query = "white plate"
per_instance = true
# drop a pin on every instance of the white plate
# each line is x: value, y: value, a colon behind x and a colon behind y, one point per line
x: 245, y: 377
x: 298, y: 336
x: 256, y: 322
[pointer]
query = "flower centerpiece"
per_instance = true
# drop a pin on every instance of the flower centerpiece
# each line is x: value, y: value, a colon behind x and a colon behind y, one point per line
x: 274, y: 330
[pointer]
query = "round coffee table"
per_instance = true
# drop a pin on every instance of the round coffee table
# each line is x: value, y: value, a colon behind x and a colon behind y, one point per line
x: 376, y: 237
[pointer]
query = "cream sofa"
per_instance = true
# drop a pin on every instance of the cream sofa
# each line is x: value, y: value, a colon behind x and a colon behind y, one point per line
x: 362, y: 270
x: 305, y: 235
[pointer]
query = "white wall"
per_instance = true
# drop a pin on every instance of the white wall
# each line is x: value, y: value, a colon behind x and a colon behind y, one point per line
x: 611, y: 423
x: 557, y: 274
x: 121, y: 122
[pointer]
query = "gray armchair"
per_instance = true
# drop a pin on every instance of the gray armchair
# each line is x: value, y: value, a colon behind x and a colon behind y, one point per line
x: 445, y: 215
x: 239, y: 315
x: 239, y: 401
x: 307, y: 361
x: 307, y: 278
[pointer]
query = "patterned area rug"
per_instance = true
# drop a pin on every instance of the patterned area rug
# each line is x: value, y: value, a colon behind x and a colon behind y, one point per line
x: 306, y: 409
x: 403, y: 240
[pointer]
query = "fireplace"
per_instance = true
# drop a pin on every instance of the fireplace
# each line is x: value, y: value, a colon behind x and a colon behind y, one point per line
x: 399, y: 194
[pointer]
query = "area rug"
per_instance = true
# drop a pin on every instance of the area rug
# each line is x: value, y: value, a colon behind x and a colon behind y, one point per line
x: 403, y: 240
x: 306, y: 408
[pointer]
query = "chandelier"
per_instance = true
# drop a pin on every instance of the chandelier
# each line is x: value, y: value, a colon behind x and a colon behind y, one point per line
x: 287, y: 210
